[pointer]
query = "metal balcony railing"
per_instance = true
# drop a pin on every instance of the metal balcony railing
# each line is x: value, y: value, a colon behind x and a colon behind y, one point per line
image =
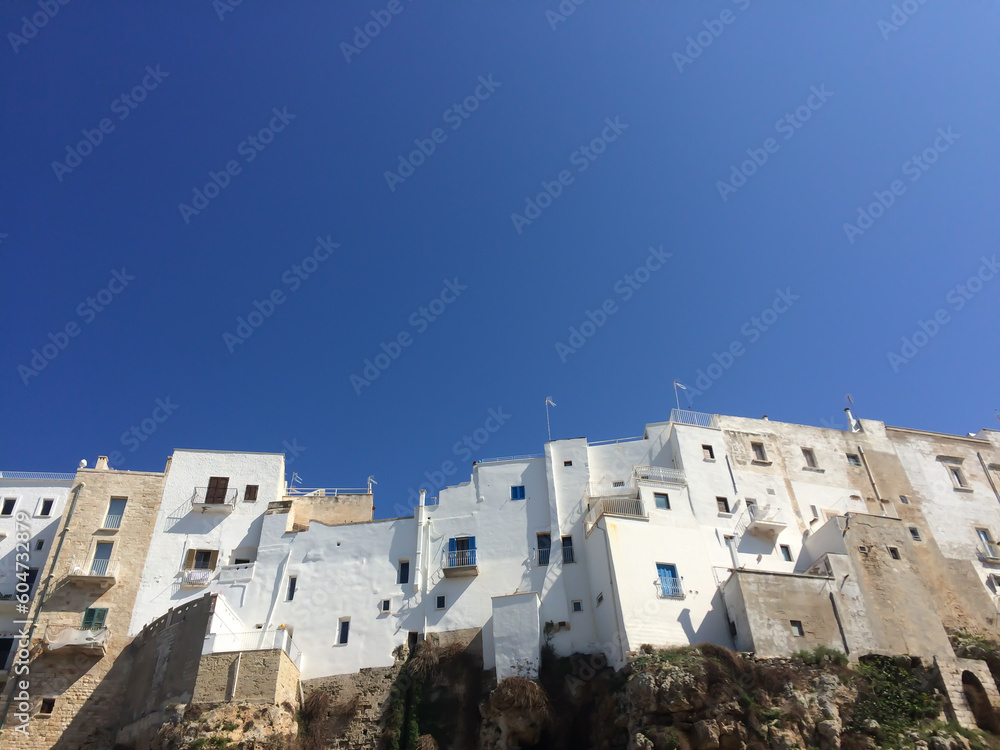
x: 197, y: 577
x: 326, y: 491
x: 461, y: 558
x: 626, y: 507
x: 669, y: 588
x: 199, y: 499
x: 112, y: 522
x: 696, y: 418
x: 103, y: 568
x: 99, y: 568
x: 658, y: 474
x: 35, y: 475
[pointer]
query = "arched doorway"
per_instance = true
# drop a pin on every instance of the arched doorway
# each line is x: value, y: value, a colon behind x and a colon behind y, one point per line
x: 979, y: 702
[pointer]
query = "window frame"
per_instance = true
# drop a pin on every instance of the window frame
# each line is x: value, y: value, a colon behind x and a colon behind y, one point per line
x: 957, y: 475
x: 215, y: 492
x: 707, y: 452
x: 107, y: 513
x: 103, y: 617
x: 576, y: 606
x: 798, y: 629
x: 399, y: 571
x: 293, y: 583
x: 344, y: 631
x: 41, y: 507
x: 759, y: 452
x: 248, y: 496
x: 440, y: 602
x: 539, y: 535
x: 915, y: 534
x: 572, y: 552
x: 810, y: 457
x: 786, y: 552
x: 853, y: 459
x: 517, y: 492
x: 666, y: 500
x: 722, y: 505
x: 674, y: 575
x: 4, y: 513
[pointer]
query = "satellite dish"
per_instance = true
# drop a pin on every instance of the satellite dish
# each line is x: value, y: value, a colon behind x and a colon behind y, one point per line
x: 83, y: 463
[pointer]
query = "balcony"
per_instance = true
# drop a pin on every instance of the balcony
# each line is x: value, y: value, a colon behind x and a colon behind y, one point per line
x: 242, y: 573
x: 696, y: 418
x: 669, y: 588
x: 988, y: 553
x: 764, y: 521
x: 90, y: 641
x: 112, y: 523
x: 658, y: 474
x: 254, y: 640
x: 461, y: 564
x: 103, y: 573
x: 200, y: 502
x: 197, y: 578
x: 621, y: 507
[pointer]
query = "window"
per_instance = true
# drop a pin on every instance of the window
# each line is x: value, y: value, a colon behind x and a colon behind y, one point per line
x: 662, y: 500
x: 8, y: 506
x: 957, y: 477
x: 894, y: 553
x: 986, y: 540
x: 201, y: 559
x: 218, y: 487
x: 797, y: 629
x: 48, y: 704
x: 250, y: 493
x: 577, y: 605
x: 116, y: 509
x: 439, y: 604
x: 385, y: 605
x: 915, y: 533
x: 708, y: 452
x: 404, y: 572
x: 461, y: 551
x: 39, y: 544
x: 903, y: 499
x: 544, y: 548
x: 292, y: 581
x: 670, y: 582
x: 6, y: 646
x: 853, y: 460
x: 101, y: 563
x: 759, y: 454
x: 567, y: 463
x: 517, y: 492
x: 786, y: 553
x: 93, y: 618
x: 46, y: 510
x: 810, y: 457
x: 241, y: 561
x: 600, y: 599
x: 567, y: 547
x: 345, y: 630
x: 723, y: 504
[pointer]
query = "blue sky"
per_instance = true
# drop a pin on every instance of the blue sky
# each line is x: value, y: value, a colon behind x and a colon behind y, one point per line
x: 704, y: 160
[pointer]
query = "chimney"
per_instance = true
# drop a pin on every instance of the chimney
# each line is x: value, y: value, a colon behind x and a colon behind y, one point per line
x: 854, y: 424
x: 102, y: 464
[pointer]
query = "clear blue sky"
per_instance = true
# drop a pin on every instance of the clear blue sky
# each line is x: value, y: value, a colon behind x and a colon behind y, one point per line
x: 864, y: 98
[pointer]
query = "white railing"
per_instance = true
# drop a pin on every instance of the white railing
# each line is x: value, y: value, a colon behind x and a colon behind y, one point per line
x: 522, y: 457
x: 198, y: 577
x: 201, y: 494
x: 696, y: 418
x: 326, y: 491
x: 627, y: 507
x: 658, y: 474
x: 763, y: 514
x: 112, y: 522
x: 254, y: 640
x: 617, y: 440
x: 242, y: 573
x: 669, y: 588
x: 99, y: 568
x: 35, y: 475
x: 460, y: 558
x: 612, y: 488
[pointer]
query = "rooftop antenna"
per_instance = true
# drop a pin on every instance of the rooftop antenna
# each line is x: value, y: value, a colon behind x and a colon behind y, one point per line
x: 371, y: 481
x: 678, y: 384
x: 548, y: 402
x: 296, y: 479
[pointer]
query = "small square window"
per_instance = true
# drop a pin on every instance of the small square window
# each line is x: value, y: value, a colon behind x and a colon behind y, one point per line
x: 250, y: 494
x: 894, y: 553
x: 440, y: 602
x: 853, y: 460
x: 577, y: 605
x: 46, y: 509
x: 759, y: 454
x: 723, y: 504
x: 958, y: 478
x: 662, y: 500
x: 8, y: 506
x: 786, y: 553
x: 385, y: 605
x: 600, y: 599
x: 797, y: 630
x: 708, y: 452
x: 810, y: 456
x: 48, y: 704
x: 567, y: 463
x: 915, y: 533
x: 903, y: 499
x: 39, y: 544
x: 517, y: 492
x: 618, y: 483
x: 404, y: 572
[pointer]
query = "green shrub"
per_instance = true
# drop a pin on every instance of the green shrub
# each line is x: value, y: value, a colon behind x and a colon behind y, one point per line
x: 822, y: 656
x: 892, y: 696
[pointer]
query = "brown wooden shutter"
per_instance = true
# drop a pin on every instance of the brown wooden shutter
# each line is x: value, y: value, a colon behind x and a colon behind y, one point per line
x: 189, y: 559
x: 213, y: 561
x: 250, y: 496
x: 217, y: 488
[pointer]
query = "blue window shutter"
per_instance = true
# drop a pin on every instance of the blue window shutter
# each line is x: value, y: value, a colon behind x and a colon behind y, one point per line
x: 472, y: 542
x: 452, y: 546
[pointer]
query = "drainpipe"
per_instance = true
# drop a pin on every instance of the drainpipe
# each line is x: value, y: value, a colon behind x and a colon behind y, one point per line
x: 989, y: 477
x: 42, y: 596
x: 732, y: 477
x: 418, y: 564
x: 614, y: 593
x: 871, y: 478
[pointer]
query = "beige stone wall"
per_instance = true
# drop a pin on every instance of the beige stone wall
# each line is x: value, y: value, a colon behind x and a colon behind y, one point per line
x: 330, y: 511
x: 361, y: 700
x: 248, y: 676
x: 89, y: 689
